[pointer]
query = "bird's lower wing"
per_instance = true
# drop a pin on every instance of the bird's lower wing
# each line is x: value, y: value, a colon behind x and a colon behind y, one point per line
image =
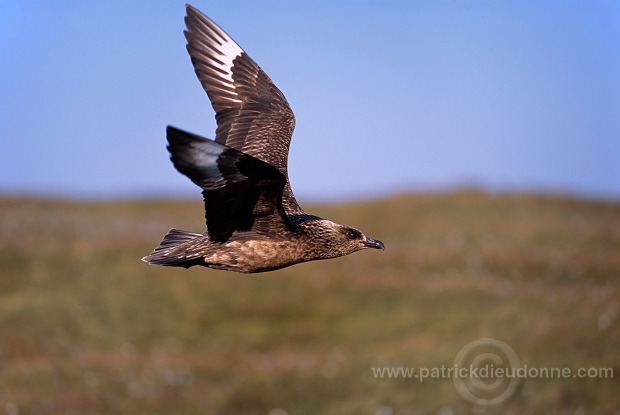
x: 241, y: 193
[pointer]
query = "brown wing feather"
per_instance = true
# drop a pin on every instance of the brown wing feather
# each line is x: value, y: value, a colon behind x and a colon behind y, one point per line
x: 252, y: 114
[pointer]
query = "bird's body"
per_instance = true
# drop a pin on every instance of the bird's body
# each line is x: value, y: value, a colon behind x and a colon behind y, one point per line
x: 254, y: 223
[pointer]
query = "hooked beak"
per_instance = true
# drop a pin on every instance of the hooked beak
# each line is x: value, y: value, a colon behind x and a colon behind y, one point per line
x: 371, y: 243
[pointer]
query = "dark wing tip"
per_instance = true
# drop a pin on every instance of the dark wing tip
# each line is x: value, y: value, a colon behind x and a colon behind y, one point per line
x: 191, y: 11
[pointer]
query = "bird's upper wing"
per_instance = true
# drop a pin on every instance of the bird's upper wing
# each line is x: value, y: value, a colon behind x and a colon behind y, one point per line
x: 242, y: 193
x: 252, y: 114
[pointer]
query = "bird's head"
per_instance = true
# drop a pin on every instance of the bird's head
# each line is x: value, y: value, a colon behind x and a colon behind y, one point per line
x: 338, y: 240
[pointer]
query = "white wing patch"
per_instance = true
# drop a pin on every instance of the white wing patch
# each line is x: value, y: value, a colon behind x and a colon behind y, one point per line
x: 228, y: 51
x: 216, y: 49
x: 206, y: 159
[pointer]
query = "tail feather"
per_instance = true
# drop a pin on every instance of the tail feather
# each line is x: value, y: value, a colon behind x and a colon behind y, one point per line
x: 171, y: 252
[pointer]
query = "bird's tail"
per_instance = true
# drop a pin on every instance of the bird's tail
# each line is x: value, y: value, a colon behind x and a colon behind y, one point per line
x: 173, y: 250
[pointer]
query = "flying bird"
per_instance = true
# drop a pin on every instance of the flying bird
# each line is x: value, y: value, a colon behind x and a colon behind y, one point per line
x: 254, y: 223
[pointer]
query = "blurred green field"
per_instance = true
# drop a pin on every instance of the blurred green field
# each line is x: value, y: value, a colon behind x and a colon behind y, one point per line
x: 87, y: 328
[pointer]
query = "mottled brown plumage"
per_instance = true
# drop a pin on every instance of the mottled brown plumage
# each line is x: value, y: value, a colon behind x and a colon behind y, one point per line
x: 254, y: 223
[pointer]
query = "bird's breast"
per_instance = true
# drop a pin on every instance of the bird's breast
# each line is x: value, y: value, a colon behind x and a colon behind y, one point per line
x: 255, y: 255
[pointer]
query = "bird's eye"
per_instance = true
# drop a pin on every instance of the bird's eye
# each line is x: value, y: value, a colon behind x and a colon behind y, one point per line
x: 354, y: 234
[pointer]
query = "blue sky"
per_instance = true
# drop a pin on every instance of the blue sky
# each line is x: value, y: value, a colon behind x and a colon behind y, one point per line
x: 388, y: 95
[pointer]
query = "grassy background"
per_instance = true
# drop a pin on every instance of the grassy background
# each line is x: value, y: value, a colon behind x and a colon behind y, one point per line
x: 87, y: 328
